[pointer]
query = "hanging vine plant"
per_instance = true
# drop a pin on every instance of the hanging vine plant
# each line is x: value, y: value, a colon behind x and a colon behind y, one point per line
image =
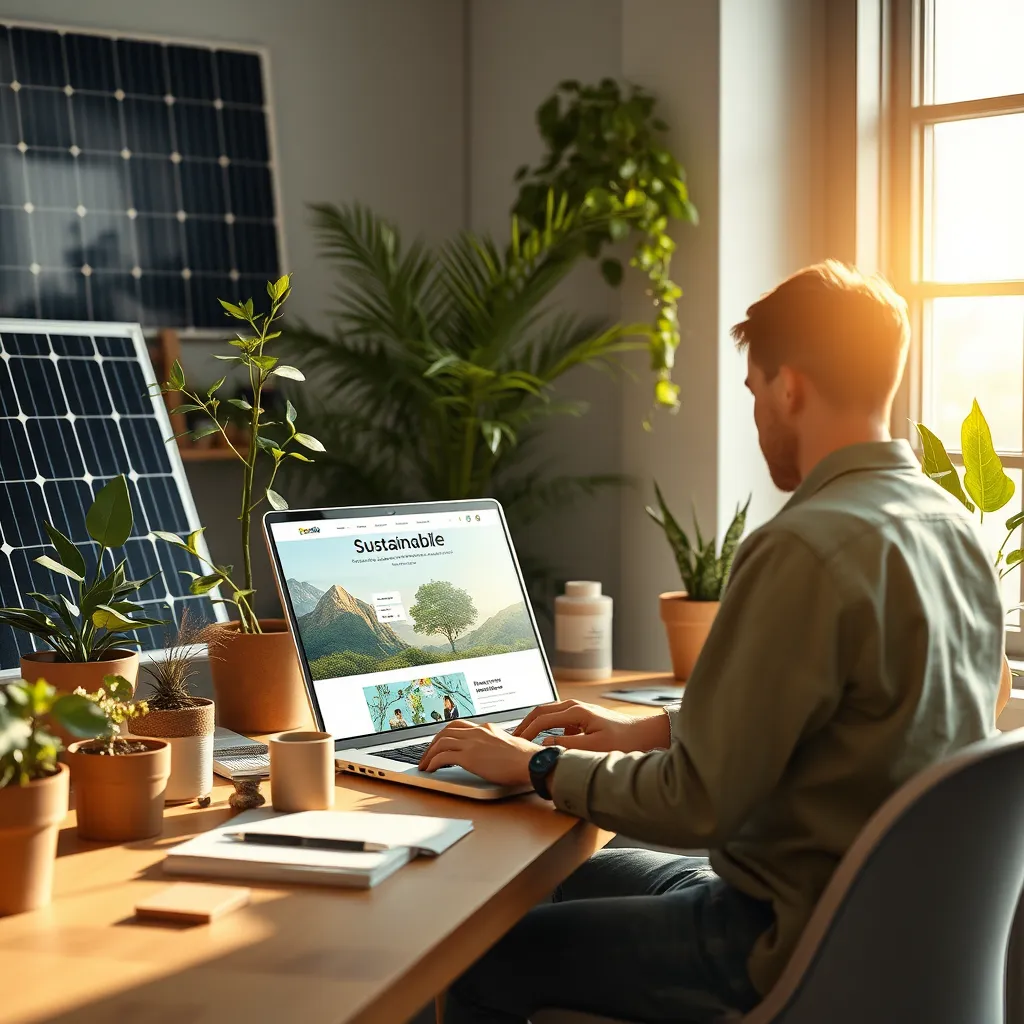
x: 606, y: 151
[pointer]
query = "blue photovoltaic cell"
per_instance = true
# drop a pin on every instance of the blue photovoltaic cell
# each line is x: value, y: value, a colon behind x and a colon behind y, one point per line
x: 75, y: 412
x: 135, y: 177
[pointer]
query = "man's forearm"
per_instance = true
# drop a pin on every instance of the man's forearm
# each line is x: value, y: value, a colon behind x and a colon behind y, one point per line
x: 651, y: 732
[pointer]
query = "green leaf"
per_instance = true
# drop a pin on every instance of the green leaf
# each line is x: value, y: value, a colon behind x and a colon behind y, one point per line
x: 937, y: 465
x: 266, y: 363
x: 291, y: 372
x: 1015, y: 556
x: 79, y: 716
x: 1014, y: 521
x: 187, y: 407
x: 299, y: 456
x: 177, y: 379
x: 618, y: 228
x: 310, y: 442
x: 118, y: 687
x: 107, y: 617
x: 232, y: 310
x: 289, y: 413
x: 611, y: 271
x: 205, y: 432
x: 205, y: 584
x: 984, y: 478
x: 54, y: 566
x: 109, y: 521
x: 240, y: 403
x: 215, y: 387
x: 66, y: 550
x: 276, y: 501
x: 193, y: 539
x: 168, y: 538
x: 230, y: 359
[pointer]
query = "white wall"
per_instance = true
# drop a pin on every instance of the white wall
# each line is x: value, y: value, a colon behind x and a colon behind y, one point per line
x: 368, y: 100
x: 519, y: 51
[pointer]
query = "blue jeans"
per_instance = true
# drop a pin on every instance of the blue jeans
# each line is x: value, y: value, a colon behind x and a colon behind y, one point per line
x: 632, y: 934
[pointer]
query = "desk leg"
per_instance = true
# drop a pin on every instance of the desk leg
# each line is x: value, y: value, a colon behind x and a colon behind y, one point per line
x: 439, y: 1008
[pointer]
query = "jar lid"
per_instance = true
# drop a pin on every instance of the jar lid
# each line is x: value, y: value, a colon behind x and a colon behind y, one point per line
x: 582, y: 588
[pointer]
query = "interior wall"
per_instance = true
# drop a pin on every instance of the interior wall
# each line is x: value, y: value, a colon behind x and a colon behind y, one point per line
x: 519, y: 50
x: 367, y: 104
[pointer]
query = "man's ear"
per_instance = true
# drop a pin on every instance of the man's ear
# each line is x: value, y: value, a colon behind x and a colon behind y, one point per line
x: 791, y: 388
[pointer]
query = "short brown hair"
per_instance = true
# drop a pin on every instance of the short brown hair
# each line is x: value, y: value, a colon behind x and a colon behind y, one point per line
x: 846, y: 330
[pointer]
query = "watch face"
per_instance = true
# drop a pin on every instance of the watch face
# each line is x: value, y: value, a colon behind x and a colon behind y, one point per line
x: 544, y: 759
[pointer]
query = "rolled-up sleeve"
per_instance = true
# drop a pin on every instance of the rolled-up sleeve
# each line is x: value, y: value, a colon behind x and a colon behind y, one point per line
x: 768, y: 675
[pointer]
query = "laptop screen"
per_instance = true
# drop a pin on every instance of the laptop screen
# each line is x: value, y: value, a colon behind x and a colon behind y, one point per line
x: 409, y: 618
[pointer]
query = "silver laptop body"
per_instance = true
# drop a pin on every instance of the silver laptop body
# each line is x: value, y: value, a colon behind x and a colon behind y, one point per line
x: 404, y: 618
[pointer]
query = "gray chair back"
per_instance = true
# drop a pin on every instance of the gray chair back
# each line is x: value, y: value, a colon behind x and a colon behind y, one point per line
x: 915, y: 923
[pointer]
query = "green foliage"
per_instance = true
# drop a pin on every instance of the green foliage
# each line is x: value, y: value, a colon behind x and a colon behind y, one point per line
x: 606, y: 151
x: 442, y: 364
x: 442, y: 609
x: 28, y: 750
x: 114, y: 702
x: 985, y: 487
x: 260, y: 367
x: 102, y: 618
x: 347, y: 663
x: 703, y: 571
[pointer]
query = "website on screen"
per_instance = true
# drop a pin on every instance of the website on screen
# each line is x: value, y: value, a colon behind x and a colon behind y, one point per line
x: 409, y: 620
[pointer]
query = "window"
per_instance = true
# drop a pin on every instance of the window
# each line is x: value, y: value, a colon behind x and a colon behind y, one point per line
x: 957, y: 225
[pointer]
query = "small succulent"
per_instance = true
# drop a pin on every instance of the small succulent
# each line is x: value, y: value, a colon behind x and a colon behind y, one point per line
x: 704, y: 572
x: 28, y: 750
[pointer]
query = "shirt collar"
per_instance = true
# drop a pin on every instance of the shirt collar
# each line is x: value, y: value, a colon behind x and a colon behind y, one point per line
x: 856, y: 458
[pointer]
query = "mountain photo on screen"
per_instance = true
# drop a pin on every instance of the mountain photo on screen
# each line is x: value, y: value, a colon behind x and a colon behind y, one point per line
x: 362, y: 610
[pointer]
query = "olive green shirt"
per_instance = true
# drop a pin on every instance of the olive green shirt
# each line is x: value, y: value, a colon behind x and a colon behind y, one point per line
x: 859, y: 640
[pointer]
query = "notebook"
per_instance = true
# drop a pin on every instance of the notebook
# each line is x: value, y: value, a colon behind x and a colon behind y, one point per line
x: 235, y: 754
x: 213, y: 855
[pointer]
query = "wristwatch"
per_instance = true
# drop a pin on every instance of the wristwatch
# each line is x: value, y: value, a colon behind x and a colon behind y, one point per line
x: 542, y: 764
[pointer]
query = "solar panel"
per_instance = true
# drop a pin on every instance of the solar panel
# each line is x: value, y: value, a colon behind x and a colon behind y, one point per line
x: 75, y: 411
x: 136, y: 178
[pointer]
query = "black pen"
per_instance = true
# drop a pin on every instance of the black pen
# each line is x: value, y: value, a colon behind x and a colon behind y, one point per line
x: 308, y: 842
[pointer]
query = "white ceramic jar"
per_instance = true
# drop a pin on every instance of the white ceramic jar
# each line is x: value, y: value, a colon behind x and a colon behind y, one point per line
x: 583, y: 632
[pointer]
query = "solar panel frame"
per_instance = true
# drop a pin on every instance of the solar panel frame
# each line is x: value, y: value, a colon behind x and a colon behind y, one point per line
x: 23, y: 439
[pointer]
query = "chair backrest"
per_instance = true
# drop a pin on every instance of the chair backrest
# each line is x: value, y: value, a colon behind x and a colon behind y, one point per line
x: 915, y: 922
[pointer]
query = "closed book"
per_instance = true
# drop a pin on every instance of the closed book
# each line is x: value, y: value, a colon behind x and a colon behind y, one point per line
x: 214, y: 855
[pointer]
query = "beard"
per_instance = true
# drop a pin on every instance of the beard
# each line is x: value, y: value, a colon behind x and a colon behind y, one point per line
x: 781, y: 450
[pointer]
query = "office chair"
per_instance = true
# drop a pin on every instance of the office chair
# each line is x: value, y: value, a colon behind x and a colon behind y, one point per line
x: 915, y: 923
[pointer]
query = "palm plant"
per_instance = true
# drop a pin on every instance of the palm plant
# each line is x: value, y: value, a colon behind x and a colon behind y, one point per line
x: 442, y: 363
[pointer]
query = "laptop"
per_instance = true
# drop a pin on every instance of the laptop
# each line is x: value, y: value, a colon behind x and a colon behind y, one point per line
x: 407, y: 617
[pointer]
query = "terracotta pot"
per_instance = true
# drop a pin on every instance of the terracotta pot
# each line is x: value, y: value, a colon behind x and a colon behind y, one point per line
x: 30, y: 817
x: 1005, y: 688
x: 190, y: 735
x: 67, y: 676
x: 257, y: 681
x: 687, y: 624
x: 120, y: 798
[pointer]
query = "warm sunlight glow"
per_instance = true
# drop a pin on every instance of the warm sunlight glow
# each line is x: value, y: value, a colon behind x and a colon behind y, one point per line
x: 978, y: 46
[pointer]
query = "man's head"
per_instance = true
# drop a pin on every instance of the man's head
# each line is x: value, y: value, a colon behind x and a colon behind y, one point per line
x: 398, y: 712
x: 825, y: 354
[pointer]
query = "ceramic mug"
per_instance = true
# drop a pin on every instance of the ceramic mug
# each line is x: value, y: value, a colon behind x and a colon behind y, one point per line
x: 302, y: 771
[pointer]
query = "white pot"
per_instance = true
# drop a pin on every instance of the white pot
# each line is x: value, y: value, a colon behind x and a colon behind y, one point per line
x: 191, y: 768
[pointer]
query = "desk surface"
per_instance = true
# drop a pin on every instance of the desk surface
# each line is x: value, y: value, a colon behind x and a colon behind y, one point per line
x: 319, y: 954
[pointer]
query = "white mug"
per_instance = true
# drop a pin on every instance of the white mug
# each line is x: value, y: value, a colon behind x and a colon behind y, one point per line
x: 302, y: 771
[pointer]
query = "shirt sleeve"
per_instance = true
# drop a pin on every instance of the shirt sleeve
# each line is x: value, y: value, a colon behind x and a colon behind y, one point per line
x: 767, y: 676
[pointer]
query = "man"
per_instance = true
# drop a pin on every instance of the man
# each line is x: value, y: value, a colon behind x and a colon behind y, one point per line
x: 397, y: 721
x: 859, y: 640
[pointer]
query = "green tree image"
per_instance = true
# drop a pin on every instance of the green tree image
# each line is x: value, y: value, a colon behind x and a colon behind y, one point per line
x: 379, y: 706
x: 443, y: 609
x: 416, y: 704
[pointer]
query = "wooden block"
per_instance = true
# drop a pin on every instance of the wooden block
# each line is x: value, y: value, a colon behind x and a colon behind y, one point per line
x: 192, y: 903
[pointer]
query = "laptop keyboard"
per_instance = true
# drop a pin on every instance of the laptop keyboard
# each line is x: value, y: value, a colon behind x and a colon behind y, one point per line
x: 412, y: 753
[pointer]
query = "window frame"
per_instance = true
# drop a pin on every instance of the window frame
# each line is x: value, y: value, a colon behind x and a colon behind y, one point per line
x: 906, y: 52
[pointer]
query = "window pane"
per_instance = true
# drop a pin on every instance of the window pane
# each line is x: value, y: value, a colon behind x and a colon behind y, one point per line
x: 978, y: 46
x: 975, y: 349
x: 977, y: 202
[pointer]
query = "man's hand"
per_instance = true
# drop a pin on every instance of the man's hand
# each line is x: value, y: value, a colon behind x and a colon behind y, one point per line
x: 485, y: 750
x: 592, y: 727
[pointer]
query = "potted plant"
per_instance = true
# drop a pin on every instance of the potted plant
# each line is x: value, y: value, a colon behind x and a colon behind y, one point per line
x: 688, y: 613
x: 985, y: 489
x: 91, y: 637
x: 119, y: 781
x: 34, y: 786
x: 257, y: 682
x: 174, y: 714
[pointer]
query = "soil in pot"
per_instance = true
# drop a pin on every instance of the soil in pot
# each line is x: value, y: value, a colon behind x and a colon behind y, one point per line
x: 30, y: 818
x: 119, y: 797
x: 687, y: 624
x: 189, y: 731
x: 257, y: 681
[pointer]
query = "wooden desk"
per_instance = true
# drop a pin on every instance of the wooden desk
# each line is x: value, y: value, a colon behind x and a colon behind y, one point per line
x: 306, y: 953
